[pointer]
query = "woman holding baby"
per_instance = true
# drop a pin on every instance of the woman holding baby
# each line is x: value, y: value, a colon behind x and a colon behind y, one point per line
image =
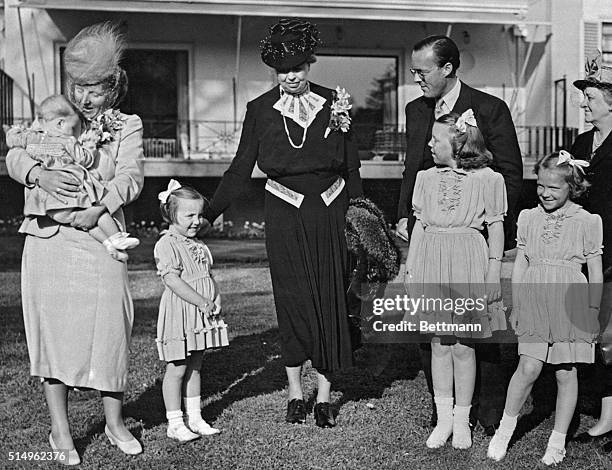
x: 77, y: 308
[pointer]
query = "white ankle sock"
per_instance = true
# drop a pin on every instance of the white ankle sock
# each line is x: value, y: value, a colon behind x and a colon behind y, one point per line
x: 557, y: 440
x: 507, y: 425
x: 175, y: 418
x: 462, y: 435
x: 192, y: 408
x: 444, y: 428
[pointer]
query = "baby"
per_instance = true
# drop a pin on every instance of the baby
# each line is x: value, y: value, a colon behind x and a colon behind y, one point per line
x: 56, y: 147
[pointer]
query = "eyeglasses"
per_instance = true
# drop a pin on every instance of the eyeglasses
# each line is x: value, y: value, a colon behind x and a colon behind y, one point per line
x: 421, y: 73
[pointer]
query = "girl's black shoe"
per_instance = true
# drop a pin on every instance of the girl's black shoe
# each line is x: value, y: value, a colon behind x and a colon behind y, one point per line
x: 296, y: 411
x: 324, y: 417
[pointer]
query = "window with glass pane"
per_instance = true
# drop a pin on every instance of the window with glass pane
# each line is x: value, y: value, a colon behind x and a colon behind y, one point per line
x: 372, y: 84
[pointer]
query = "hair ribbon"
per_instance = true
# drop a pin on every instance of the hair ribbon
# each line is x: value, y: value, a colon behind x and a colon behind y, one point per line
x: 566, y: 157
x: 466, y: 119
x: 173, y: 185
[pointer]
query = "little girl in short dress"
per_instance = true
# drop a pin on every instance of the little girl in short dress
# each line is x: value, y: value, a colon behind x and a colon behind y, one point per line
x: 555, y: 309
x: 189, y: 309
x: 450, y: 259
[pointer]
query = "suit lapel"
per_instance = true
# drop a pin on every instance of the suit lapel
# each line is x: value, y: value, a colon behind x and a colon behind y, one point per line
x: 604, y: 150
x: 426, y: 107
x: 464, y: 101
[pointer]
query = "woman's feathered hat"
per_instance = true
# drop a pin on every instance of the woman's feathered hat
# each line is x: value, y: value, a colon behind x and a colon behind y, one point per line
x: 93, y: 56
x: 289, y: 43
x: 597, y: 74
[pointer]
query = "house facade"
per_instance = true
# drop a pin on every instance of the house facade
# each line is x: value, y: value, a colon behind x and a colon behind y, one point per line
x: 193, y: 66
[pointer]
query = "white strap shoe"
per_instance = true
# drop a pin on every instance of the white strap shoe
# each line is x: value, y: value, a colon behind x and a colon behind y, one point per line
x: 553, y: 455
x: 181, y: 433
x: 203, y: 428
x: 122, y: 241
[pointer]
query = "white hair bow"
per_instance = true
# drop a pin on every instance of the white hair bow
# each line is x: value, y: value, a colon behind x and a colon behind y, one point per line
x: 566, y: 157
x: 173, y: 185
x: 466, y: 119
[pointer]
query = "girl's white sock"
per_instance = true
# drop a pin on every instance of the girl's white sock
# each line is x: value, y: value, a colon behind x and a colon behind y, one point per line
x: 499, y: 443
x: 557, y: 440
x: 462, y: 435
x: 444, y: 428
x: 507, y: 425
x: 175, y: 418
x: 195, y: 422
x: 192, y: 407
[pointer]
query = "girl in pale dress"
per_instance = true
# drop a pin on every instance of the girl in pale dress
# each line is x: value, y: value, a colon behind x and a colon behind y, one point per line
x: 555, y: 308
x: 449, y: 259
x: 188, y: 311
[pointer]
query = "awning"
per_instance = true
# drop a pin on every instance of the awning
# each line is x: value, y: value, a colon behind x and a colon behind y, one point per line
x: 449, y: 11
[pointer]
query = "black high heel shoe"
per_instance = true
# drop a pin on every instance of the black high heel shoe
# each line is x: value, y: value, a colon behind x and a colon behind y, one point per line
x: 586, y: 438
x: 324, y: 418
x: 296, y: 411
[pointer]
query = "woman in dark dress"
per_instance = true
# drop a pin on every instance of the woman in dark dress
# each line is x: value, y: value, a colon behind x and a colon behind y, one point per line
x: 312, y: 174
x: 595, y: 146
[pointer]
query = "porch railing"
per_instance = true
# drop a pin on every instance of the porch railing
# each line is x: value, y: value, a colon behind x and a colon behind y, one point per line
x: 219, y: 139
x: 13, y: 102
x: 204, y: 140
x: 542, y: 140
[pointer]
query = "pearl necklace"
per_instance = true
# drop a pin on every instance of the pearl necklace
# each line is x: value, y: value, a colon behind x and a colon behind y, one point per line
x: 597, y: 142
x: 303, y: 134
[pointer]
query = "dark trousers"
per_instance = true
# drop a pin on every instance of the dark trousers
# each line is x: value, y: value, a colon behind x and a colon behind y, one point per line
x: 604, y: 377
x: 491, y: 382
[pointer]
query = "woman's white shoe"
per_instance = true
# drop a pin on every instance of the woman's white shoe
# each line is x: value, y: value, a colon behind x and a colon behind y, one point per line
x: 131, y: 447
x: 70, y: 459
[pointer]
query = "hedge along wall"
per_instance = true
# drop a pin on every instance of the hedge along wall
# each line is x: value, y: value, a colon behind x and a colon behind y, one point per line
x: 248, y: 207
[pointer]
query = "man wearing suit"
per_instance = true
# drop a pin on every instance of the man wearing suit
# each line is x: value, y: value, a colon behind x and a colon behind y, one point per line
x: 435, y: 61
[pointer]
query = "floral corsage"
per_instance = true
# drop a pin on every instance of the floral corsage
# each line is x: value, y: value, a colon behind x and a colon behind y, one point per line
x: 103, y: 129
x: 339, y: 119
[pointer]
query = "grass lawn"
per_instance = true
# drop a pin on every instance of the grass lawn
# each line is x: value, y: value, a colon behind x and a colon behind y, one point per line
x: 383, y: 402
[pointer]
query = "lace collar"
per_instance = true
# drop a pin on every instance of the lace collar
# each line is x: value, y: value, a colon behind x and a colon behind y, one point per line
x: 302, y: 109
x: 445, y: 169
x: 198, y: 250
x: 563, y: 212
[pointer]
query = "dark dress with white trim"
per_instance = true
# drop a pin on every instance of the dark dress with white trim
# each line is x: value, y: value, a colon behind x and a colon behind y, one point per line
x: 306, y: 246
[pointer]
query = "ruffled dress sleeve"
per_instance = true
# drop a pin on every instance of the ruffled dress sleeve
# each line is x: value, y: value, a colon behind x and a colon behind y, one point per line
x: 496, y: 199
x: 521, y: 231
x: 418, y: 196
x: 167, y: 258
x: 593, y: 236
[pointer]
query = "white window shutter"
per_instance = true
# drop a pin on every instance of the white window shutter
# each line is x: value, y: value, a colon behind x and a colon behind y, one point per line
x: 592, y: 37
